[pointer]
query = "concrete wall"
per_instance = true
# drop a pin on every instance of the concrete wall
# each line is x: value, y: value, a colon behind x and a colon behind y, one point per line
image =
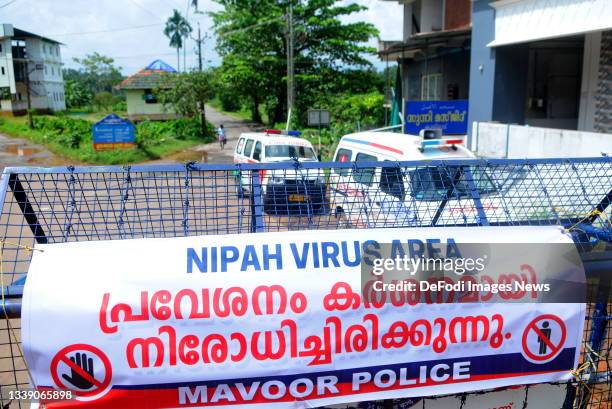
x: 431, y: 16
x: 494, y: 140
x: 482, y: 66
x: 136, y: 105
x: 603, y: 96
x: 590, y: 72
x: 510, y: 92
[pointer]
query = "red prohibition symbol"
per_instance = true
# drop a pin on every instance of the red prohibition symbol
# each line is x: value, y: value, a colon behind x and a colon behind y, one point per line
x: 541, y: 328
x: 80, y: 378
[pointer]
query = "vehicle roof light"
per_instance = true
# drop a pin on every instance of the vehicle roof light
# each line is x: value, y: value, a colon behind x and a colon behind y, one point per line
x: 279, y: 132
x: 273, y: 131
x: 429, y: 143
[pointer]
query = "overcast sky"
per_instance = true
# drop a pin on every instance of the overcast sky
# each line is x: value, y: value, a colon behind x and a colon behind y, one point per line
x: 85, y: 26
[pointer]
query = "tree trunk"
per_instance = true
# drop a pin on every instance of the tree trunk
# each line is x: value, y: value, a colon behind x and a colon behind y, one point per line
x: 178, y: 59
x: 278, y: 113
x: 255, y: 116
x: 203, y: 119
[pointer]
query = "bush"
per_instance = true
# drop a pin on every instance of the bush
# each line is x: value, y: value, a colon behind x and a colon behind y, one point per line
x: 72, y: 138
x: 154, y: 133
x: 230, y: 101
x: 349, y: 113
x: 120, y: 106
x: 63, y: 130
x: 103, y: 100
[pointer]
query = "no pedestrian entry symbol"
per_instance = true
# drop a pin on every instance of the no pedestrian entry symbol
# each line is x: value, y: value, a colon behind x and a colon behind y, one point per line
x: 544, y: 337
x: 83, y: 369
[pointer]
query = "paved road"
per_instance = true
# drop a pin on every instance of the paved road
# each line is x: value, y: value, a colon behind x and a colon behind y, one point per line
x: 19, y: 152
x: 212, y: 152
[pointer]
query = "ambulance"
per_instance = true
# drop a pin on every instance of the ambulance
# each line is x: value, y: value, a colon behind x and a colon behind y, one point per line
x: 284, y: 191
x: 397, y: 196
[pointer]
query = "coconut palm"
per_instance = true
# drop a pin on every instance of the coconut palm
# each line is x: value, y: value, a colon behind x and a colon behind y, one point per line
x: 177, y: 28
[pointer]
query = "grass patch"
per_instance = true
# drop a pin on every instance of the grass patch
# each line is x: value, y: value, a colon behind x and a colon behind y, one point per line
x: 71, y: 138
x: 94, y: 116
x: 243, y: 114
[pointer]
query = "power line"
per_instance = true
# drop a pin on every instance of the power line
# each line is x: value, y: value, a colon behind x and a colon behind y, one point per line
x: 261, y: 23
x: 108, y: 30
x: 7, y: 4
x: 140, y: 6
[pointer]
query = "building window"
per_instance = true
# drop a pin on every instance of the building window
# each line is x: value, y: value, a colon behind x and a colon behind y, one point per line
x: 0, y: 47
x: 430, y: 87
x: 46, y: 70
x: 52, y: 71
x: 149, y: 97
x: 2, y: 69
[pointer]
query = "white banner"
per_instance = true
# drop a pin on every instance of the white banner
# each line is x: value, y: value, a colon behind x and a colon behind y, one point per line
x: 274, y: 319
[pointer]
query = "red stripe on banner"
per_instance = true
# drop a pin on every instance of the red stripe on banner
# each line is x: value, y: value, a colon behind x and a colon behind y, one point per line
x: 164, y: 398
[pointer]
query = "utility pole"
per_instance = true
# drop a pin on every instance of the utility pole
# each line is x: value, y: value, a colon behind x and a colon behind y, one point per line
x: 27, y: 83
x: 24, y: 63
x: 201, y: 104
x: 199, y: 48
x: 290, y: 70
x: 200, y: 40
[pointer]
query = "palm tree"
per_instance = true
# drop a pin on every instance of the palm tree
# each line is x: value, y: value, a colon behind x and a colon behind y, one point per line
x: 177, y: 28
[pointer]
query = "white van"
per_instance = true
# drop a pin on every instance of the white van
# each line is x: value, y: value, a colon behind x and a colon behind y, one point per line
x: 397, y: 196
x: 284, y: 191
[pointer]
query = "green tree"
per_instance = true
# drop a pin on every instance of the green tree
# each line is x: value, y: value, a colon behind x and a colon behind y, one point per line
x: 104, y: 100
x: 97, y: 72
x: 251, y: 38
x: 177, y: 28
x: 187, y: 93
x: 77, y: 94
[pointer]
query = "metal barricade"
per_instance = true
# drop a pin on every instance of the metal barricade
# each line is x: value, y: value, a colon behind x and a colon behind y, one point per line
x: 56, y: 205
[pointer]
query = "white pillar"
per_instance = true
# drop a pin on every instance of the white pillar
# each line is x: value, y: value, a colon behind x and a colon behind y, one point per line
x: 590, y: 71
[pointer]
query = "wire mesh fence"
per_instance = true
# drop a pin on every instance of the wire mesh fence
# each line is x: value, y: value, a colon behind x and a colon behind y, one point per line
x: 100, y: 203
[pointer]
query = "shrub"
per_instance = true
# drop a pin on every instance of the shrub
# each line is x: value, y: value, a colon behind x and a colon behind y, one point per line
x: 103, y: 100
x: 63, y: 130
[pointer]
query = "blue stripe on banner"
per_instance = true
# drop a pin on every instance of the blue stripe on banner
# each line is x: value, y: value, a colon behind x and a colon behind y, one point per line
x: 480, y: 365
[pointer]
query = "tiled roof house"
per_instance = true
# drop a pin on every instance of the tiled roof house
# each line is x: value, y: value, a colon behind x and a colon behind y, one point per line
x: 139, y: 91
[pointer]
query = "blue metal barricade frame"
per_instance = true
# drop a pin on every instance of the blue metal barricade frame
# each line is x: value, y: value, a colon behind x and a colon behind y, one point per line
x: 51, y: 205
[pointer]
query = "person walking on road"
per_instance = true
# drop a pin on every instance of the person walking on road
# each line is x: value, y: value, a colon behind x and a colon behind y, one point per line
x: 221, y: 136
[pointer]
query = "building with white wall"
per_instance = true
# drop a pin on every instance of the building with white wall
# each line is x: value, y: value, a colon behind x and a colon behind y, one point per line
x: 29, y: 63
x: 542, y: 63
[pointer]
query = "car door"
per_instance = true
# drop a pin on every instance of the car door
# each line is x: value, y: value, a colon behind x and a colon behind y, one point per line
x: 364, y: 186
x: 391, y: 205
x: 245, y: 177
x: 340, y: 181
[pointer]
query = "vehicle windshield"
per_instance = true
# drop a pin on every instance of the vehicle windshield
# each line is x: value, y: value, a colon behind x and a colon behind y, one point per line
x: 290, y: 151
x: 435, y: 184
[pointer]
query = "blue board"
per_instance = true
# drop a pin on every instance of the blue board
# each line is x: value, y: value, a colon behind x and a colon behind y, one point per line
x: 113, y: 132
x: 450, y: 116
